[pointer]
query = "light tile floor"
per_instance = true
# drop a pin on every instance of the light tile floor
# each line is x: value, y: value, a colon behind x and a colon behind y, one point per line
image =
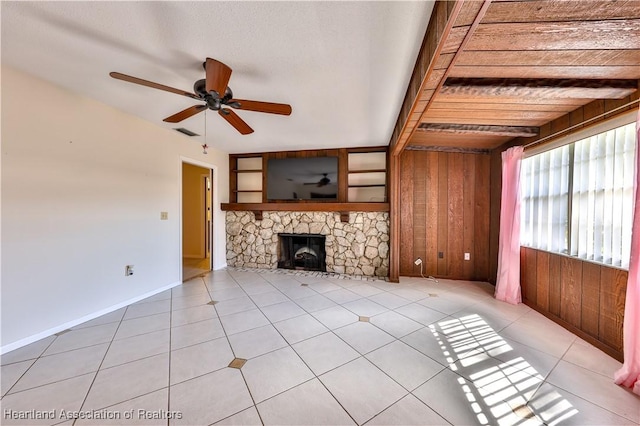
x: 430, y: 353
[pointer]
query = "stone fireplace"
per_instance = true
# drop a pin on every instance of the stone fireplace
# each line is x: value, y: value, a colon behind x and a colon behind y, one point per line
x: 357, y: 247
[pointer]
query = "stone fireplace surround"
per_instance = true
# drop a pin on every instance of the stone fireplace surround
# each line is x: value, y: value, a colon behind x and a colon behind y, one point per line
x: 359, y: 247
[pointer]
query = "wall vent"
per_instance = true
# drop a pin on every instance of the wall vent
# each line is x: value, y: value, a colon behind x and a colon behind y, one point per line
x: 185, y: 131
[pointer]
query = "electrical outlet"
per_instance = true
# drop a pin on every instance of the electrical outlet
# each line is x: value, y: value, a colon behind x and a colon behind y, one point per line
x: 128, y: 270
x: 164, y: 215
x: 418, y: 261
x: 467, y: 256
x: 440, y: 255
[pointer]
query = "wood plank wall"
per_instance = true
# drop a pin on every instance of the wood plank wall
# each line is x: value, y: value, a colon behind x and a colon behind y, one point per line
x: 584, y: 297
x: 444, y: 207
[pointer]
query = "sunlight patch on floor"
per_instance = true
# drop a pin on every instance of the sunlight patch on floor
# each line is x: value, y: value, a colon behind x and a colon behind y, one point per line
x: 498, y: 394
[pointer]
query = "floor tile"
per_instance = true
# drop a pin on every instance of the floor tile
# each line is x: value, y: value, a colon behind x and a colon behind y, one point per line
x: 364, y: 337
x: 275, y: 372
x: 10, y: 373
x: 299, y: 292
x: 142, y: 410
x: 257, y: 288
x: 282, y: 311
x: 243, y: 321
x: 227, y: 294
x: 300, y: 328
x: 142, y: 325
x: 324, y: 287
x: 81, y: 338
x: 410, y: 294
x: 126, y: 381
x: 270, y: 298
x: 164, y: 295
x: 325, y: 352
x: 248, y: 417
x: 256, y: 342
x: 309, y: 403
x: 404, y: 364
x: 335, y: 317
x: 191, y: 315
x: 432, y: 345
x: 144, y: 309
x: 115, y: 316
x: 592, y: 358
x: 200, y: 359
x: 547, y: 337
x: 189, y: 290
x: 597, y: 389
x: 197, y: 332
x: 66, y: 395
x: 315, y: 303
x: 365, y: 290
x: 395, y: 324
x: 137, y: 347
x: 362, y: 389
x: 420, y: 313
x: 190, y: 301
x: 446, y: 304
x: 342, y: 296
x: 233, y: 306
x: 210, y: 398
x: 408, y: 411
x: 30, y: 351
x: 389, y: 300
x: 364, y: 307
x: 62, y: 366
x: 556, y: 406
x: 456, y: 400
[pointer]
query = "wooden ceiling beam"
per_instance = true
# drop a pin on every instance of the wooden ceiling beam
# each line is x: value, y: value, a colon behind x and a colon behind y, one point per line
x: 440, y: 25
x: 401, y: 138
x: 540, y: 88
x: 512, y: 131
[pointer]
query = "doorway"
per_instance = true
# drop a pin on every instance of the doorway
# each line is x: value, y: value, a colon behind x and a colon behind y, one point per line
x: 196, y: 220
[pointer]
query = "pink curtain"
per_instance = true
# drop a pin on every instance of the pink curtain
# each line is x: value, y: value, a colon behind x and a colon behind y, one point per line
x: 629, y: 374
x: 508, y: 280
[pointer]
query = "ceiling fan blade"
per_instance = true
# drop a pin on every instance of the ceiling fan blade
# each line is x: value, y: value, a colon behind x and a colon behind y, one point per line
x: 184, y: 114
x: 151, y: 84
x: 218, y: 75
x: 268, y: 107
x: 235, y: 120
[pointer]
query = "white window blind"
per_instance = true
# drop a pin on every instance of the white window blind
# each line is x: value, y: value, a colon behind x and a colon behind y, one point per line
x: 578, y: 199
x: 603, y: 196
x: 545, y: 198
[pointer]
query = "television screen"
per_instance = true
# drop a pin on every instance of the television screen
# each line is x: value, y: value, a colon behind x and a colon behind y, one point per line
x: 309, y: 178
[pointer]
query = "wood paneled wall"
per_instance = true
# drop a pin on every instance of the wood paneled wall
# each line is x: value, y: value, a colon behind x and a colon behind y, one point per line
x: 444, y: 208
x: 584, y: 297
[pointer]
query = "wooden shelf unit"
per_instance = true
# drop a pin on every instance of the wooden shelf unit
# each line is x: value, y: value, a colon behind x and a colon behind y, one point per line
x: 245, y: 164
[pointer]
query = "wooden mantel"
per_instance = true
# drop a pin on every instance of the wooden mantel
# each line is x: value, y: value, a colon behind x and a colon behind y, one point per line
x: 342, y: 208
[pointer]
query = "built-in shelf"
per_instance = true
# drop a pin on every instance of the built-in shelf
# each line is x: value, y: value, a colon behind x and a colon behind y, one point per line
x: 248, y: 171
x: 370, y: 185
x: 368, y: 171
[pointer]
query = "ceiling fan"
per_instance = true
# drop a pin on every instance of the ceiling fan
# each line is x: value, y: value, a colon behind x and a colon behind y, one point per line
x: 322, y: 182
x: 215, y: 94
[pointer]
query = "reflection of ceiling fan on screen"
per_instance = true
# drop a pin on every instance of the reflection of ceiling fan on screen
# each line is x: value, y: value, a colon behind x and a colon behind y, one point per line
x: 215, y: 94
x: 322, y: 182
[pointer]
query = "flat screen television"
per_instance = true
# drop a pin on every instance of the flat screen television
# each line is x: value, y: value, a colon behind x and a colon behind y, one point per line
x: 303, y: 178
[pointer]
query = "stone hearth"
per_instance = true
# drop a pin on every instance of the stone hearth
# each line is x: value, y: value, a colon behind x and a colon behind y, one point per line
x: 359, y: 247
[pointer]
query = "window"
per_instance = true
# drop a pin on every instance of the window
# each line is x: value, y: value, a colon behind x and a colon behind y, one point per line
x: 577, y: 199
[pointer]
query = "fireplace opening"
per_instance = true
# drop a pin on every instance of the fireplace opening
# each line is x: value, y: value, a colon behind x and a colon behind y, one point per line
x: 302, y: 251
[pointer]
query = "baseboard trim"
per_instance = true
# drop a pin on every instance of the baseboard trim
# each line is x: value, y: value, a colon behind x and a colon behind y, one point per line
x: 33, y: 338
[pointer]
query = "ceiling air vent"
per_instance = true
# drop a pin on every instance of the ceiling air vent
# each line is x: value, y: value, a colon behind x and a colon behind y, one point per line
x: 186, y: 131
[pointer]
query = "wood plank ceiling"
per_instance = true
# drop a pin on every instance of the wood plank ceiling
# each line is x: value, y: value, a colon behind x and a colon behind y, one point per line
x: 489, y: 71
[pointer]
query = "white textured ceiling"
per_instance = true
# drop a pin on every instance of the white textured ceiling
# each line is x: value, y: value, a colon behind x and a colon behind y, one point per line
x: 343, y: 66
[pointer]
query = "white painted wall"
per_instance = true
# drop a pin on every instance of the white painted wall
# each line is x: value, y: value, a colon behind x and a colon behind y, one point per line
x: 83, y: 185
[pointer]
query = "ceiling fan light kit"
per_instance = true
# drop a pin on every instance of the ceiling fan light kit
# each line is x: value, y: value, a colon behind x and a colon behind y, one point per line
x: 209, y: 91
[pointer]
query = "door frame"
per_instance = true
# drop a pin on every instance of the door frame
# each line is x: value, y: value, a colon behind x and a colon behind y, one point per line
x: 213, y: 174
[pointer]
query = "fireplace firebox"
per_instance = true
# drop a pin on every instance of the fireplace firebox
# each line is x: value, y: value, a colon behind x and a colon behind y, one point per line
x: 302, y: 251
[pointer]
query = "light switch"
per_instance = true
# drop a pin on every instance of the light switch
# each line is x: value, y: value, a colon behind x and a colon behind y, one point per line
x: 164, y: 215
